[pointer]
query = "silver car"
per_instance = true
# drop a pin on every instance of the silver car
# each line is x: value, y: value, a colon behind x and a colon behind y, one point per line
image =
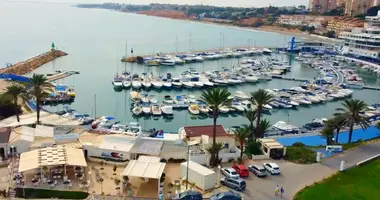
x: 234, y: 183
x: 229, y: 172
x: 258, y: 170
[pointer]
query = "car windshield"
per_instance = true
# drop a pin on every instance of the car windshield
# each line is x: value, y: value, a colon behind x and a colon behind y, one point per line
x: 245, y: 171
x: 262, y: 170
x: 234, y: 173
x: 242, y: 183
x: 276, y: 168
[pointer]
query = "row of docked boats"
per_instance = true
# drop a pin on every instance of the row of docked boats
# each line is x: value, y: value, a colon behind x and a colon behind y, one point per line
x: 172, y: 60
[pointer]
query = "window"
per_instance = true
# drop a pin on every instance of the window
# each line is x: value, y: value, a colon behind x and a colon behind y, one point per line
x: 227, y: 170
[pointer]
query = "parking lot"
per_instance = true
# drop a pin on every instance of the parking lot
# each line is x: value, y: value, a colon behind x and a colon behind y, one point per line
x: 293, y: 177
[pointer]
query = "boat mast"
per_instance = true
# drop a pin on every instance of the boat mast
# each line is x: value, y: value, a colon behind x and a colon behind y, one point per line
x: 126, y: 56
x: 190, y: 43
x: 176, y: 45
x: 94, y: 106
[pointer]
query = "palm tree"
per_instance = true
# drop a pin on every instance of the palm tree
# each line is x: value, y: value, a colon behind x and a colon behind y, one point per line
x: 15, y: 91
x: 241, y: 135
x: 351, y: 114
x: 214, y: 150
x: 215, y: 98
x: 39, y: 86
x: 260, y: 98
x: 377, y: 125
x: 328, y: 134
x: 251, y: 116
x: 263, y: 127
x: 336, y: 123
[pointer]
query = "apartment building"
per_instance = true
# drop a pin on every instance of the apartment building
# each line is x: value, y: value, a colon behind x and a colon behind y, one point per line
x: 356, y: 7
x: 322, y: 6
x: 340, y: 24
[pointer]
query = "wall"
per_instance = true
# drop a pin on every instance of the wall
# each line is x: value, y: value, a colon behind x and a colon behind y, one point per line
x: 21, y: 145
x: 97, y: 152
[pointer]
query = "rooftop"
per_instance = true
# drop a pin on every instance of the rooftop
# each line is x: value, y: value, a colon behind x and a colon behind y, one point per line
x: 197, y: 131
x: 4, y: 135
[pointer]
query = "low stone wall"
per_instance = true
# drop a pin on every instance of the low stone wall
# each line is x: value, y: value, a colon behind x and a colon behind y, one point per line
x: 33, y: 63
x: 260, y: 157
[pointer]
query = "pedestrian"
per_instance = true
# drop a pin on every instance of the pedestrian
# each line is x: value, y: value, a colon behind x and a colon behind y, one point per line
x: 281, y: 191
x: 276, y: 191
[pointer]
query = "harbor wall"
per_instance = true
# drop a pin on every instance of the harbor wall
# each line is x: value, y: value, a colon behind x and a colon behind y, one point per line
x: 33, y: 63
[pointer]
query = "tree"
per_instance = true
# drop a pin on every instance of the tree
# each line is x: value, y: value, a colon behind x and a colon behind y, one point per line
x: 214, y: 150
x: 330, y: 34
x: 336, y: 123
x: 241, y: 135
x: 328, y: 134
x: 215, y: 98
x: 351, y: 114
x: 263, y: 127
x: 251, y: 117
x: 260, y: 98
x: 377, y: 125
x: 39, y: 86
x: 15, y: 91
x: 6, y: 107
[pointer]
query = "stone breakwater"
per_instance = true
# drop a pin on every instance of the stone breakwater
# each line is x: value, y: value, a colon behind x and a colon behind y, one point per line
x: 33, y: 63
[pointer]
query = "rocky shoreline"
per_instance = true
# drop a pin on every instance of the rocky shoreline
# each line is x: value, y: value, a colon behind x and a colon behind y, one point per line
x: 33, y: 63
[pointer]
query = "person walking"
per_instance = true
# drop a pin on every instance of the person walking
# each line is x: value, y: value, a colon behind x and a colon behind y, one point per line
x: 276, y: 190
x: 281, y: 191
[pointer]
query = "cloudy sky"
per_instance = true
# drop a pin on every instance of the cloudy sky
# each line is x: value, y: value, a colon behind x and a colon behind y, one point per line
x: 237, y: 3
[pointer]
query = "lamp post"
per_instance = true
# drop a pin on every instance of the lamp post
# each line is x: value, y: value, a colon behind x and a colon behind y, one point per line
x: 187, y: 167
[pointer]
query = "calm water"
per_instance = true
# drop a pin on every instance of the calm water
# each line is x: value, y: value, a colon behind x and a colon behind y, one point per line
x: 95, y: 41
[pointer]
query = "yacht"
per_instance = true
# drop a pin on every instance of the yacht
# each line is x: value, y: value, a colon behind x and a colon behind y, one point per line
x: 118, y: 82
x: 168, y: 100
x: 196, y: 82
x: 176, y: 82
x: 127, y: 83
x: 204, y: 109
x: 193, y: 109
x: 167, y: 84
x: 224, y: 109
x: 137, y: 110
x: 251, y: 78
x: 146, y: 109
x: 167, y: 110
x: 156, y: 110
x: 136, y: 83
x: 146, y: 82
x: 157, y: 83
x: 241, y: 95
x: 187, y: 83
x: 168, y: 62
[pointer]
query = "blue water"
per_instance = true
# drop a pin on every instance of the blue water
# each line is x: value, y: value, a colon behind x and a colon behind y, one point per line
x: 317, y: 140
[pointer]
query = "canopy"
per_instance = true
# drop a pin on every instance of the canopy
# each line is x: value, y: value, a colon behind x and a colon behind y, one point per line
x: 145, y: 168
x: 51, y: 156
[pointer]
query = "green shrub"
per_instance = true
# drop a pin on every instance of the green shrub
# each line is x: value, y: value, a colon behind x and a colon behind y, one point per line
x: 253, y: 148
x: 300, y: 155
x: 298, y: 144
x: 31, y: 193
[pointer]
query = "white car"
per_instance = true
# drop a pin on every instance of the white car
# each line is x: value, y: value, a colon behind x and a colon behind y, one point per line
x: 229, y: 172
x: 272, y: 168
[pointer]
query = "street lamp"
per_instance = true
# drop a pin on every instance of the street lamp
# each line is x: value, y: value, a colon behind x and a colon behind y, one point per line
x: 187, y: 167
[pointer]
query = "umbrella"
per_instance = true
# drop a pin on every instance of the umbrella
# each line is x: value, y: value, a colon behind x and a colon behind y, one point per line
x: 109, y: 118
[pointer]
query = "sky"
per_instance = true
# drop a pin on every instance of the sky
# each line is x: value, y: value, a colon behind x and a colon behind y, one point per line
x: 235, y: 3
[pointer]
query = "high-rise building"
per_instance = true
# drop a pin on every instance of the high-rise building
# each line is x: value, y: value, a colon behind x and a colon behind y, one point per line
x: 322, y: 6
x: 356, y: 7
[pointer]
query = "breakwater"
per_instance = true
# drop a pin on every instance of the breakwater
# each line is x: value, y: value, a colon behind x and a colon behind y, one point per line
x: 33, y: 63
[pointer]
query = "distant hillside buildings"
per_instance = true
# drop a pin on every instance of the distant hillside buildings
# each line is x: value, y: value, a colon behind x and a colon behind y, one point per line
x: 351, y: 7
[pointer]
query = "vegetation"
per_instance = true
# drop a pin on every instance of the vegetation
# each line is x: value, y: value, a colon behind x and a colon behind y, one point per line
x: 377, y: 125
x: 328, y: 134
x: 241, y: 135
x: 15, y: 91
x: 39, y: 86
x: 357, y: 183
x: 31, y: 193
x: 214, y: 150
x: 299, y: 153
x: 215, y: 98
x: 7, y: 108
x: 329, y: 34
x: 260, y: 98
x: 336, y: 124
x: 351, y: 114
x: 253, y: 148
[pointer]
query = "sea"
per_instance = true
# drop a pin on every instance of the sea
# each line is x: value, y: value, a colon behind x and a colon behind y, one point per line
x: 97, y: 39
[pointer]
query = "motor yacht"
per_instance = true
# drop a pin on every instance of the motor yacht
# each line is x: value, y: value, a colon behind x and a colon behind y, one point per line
x: 176, y: 82
x: 167, y: 110
x: 156, y: 110
x: 136, y: 83
x: 193, y: 109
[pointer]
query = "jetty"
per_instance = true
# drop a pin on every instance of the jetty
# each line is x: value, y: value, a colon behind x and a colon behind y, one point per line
x: 60, y: 75
x: 33, y: 63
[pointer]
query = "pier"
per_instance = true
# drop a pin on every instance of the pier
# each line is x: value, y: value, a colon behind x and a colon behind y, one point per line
x: 290, y: 78
x: 33, y: 63
x: 60, y: 75
x: 371, y: 88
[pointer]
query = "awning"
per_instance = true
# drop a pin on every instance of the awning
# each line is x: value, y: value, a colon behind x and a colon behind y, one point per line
x: 144, y: 169
x: 147, y: 147
x: 51, y: 156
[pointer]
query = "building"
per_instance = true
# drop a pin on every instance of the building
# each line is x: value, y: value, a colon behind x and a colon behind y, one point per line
x: 363, y: 43
x: 356, y: 7
x: 303, y: 20
x: 372, y: 21
x: 322, y: 6
x: 341, y: 2
x: 341, y: 24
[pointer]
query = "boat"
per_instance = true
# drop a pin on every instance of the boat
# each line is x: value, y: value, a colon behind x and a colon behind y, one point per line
x: 196, y: 82
x: 146, y: 82
x: 117, y: 82
x: 135, y: 95
x: 127, y: 83
x: 204, y: 109
x: 136, y: 83
x: 266, y: 51
x: 144, y: 98
x: 137, y: 110
x: 133, y: 129
x: 251, y: 78
x: 167, y: 62
x: 176, y: 82
x: 180, y: 100
x: 224, y: 109
x: 167, y: 110
x: 152, y: 99
x: 156, y: 110
x: 241, y: 95
x: 146, y: 109
x: 167, y: 84
x: 193, y: 109
x: 236, y: 105
x: 285, y: 128
x: 168, y: 100
x: 157, y: 83
x: 187, y: 83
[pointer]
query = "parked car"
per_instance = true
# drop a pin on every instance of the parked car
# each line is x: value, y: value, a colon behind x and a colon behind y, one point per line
x: 234, y: 183
x: 189, y: 195
x: 272, y: 168
x: 229, y: 195
x: 241, y: 170
x: 258, y: 170
x: 229, y: 172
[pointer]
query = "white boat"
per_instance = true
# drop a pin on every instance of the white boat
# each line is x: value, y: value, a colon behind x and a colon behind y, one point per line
x: 180, y: 100
x: 177, y: 60
x: 198, y: 59
x: 268, y: 107
x: 133, y: 129
x: 167, y: 110
x: 146, y: 109
x: 251, y: 78
x: 167, y: 84
x: 136, y: 83
x: 197, y: 84
x: 152, y: 99
x: 241, y: 95
x: 283, y: 126
x: 117, y: 82
x: 156, y: 110
x: 193, y: 109
x: 204, y: 109
x: 168, y: 100
x: 266, y: 51
x: 224, y: 109
x: 187, y: 83
x: 192, y: 99
x: 144, y: 98
x: 135, y: 95
x: 127, y: 83
x: 237, y: 107
x: 157, y: 83
x: 176, y: 82
x: 146, y: 83
x: 168, y: 62
x: 137, y: 110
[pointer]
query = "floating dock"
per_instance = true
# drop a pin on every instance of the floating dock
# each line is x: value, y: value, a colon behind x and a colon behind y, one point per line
x: 33, y: 63
x: 61, y: 75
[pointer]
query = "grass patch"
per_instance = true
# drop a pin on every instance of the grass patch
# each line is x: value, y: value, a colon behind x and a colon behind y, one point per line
x: 357, y: 183
x: 31, y: 193
x: 300, y: 154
